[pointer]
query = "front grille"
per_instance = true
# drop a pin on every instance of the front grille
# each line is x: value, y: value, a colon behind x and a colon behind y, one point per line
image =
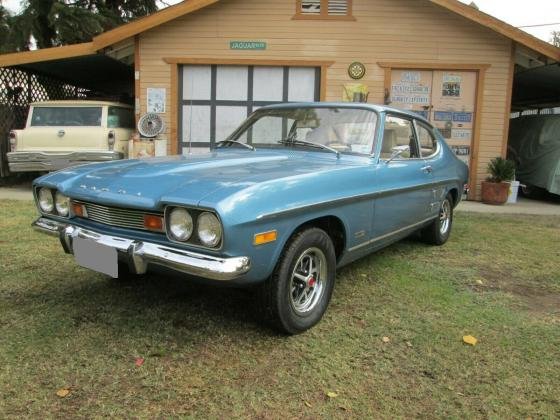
x: 113, y: 216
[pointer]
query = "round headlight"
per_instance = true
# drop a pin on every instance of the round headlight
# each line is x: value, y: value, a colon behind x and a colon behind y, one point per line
x: 46, y: 200
x: 209, y: 229
x: 180, y: 224
x: 62, y: 204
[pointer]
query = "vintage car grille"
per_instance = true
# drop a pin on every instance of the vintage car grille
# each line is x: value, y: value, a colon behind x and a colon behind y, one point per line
x: 113, y: 216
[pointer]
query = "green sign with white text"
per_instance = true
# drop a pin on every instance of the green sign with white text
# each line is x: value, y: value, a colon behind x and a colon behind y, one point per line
x: 247, y: 45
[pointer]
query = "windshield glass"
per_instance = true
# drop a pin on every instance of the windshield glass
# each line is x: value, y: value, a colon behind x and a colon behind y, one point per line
x: 66, y: 116
x: 347, y: 130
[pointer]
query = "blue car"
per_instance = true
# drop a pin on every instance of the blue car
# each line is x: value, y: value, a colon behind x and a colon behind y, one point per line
x: 297, y: 191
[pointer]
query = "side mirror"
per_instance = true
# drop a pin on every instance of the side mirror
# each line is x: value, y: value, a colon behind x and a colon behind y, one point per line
x: 397, y: 152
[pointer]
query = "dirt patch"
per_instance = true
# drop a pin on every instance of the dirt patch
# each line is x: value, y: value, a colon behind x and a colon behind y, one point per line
x: 534, y: 298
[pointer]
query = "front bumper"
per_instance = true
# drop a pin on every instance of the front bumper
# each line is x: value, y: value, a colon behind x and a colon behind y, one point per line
x: 45, y: 161
x: 140, y: 254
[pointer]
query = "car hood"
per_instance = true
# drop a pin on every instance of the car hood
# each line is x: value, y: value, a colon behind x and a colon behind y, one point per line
x: 190, y: 180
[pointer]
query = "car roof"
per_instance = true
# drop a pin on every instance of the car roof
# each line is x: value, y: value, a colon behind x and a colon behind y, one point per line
x: 356, y: 105
x: 80, y: 102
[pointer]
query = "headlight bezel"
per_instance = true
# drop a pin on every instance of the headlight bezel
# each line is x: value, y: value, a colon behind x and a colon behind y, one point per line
x: 193, y: 240
x: 53, y: 210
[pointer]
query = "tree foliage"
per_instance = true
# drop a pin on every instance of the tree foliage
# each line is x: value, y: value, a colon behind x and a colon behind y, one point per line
x: 60, y: 22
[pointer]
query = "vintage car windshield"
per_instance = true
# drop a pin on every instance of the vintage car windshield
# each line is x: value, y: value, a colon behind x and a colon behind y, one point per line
x: 347, y: 130
x: 48, y: 116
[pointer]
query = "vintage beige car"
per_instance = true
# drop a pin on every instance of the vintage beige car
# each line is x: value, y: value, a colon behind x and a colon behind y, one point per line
x: 59, y: 134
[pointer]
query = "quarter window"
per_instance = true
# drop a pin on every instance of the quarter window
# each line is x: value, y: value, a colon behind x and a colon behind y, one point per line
x: 120, y: 117
x: 398, y: 132
x: 428, y: 144
x: 324, y: 9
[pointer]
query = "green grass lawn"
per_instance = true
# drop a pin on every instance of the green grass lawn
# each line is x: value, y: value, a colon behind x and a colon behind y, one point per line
x: 208, y: 356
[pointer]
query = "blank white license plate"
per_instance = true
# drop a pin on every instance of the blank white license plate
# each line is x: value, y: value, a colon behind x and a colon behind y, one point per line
x: 97, y: 257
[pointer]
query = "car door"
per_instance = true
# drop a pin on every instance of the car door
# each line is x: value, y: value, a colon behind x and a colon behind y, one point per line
x: 403, y: 181
x: 433, y: 163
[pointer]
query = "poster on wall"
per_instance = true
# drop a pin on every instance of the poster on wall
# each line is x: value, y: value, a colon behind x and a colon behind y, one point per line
x: 156, y: 100
x: 454, y: 100
x: 412, y: 90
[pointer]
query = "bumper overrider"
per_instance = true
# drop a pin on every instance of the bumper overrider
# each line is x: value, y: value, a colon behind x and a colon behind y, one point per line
x: 140, y: 254
x: 43, y: 161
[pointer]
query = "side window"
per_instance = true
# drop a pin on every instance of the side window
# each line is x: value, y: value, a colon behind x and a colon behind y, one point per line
x: 398, y: 132
x: 120, y: 117
x: 428, y: 143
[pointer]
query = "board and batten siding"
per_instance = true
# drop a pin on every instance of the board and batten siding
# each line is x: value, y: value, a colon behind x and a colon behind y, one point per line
x: 384, y: 31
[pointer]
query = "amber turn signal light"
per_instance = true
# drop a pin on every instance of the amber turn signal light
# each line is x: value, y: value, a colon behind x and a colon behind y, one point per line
x: 265, y: 237
x: 78, y: 210
x: 152, y: 222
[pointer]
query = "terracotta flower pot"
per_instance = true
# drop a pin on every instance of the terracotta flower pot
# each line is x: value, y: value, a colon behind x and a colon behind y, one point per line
x: 495, y: 193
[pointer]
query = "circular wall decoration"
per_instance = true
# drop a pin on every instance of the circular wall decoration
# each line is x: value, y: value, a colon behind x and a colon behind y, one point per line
x: 150, y: 125
x: 356, y: 70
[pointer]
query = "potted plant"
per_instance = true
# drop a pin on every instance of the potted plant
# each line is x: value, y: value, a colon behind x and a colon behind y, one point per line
x: 495, y: 189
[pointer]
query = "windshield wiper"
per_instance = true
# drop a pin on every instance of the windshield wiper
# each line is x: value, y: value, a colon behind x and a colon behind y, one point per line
x: 248, y: 146
x: 310, y: 144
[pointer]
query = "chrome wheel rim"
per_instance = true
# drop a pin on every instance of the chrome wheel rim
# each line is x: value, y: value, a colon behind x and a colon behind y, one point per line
x: 308, y: 280
x: 444, y: 217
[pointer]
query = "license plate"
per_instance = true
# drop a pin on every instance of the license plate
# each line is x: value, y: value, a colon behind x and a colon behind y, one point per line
x: 97, y: 257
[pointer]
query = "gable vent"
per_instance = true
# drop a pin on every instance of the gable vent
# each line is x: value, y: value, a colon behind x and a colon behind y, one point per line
x: 311, y: 7
x: 338, y: 7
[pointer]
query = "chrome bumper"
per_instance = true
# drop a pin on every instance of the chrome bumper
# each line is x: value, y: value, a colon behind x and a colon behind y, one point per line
x: 44, y: 161
x: 139, y: 254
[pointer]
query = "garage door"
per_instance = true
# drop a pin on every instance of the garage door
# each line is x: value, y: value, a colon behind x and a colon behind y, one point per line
x: 215, y: 99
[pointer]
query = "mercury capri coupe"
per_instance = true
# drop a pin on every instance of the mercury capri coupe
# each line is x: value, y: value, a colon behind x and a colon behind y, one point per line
x: 296, y: 192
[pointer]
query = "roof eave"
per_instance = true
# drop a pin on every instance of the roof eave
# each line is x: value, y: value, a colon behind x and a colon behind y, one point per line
x: 148, y: 22
x: 503, y: 28
x: 46, y: 54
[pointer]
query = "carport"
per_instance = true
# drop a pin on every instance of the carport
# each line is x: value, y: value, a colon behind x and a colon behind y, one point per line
x: 69, y: 72
x: 536, y: 83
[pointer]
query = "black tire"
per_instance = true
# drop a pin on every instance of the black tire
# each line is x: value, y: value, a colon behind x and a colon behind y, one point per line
x: 532, y: 192
x: 437, y: 233
x: 293, y: 305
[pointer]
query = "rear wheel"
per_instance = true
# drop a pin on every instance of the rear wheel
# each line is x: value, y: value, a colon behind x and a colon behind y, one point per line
x: 530, y: 191
x: 437, y: 233
x: 297, y: 294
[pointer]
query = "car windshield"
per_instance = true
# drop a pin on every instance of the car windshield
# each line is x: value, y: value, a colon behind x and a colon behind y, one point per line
x: 345, y: 130
x: 66, y: 116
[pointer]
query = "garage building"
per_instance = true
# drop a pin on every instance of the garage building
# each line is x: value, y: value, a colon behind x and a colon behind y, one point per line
x: 204, y: 65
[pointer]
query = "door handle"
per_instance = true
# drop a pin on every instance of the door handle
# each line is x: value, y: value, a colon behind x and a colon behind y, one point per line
x: 427, y: 169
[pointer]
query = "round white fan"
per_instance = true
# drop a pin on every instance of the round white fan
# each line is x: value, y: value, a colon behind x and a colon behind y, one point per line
x: 150, y: 125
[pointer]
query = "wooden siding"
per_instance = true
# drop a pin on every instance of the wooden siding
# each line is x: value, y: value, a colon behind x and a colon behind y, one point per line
x: 393, y: 31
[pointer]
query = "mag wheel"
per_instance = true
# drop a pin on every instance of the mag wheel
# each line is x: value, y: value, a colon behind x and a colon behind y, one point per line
x: 437, y: 233
x: 297, y: 294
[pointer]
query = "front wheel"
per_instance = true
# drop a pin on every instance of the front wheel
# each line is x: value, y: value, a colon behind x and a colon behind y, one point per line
x: 437, y: 233
x: 297, y: 294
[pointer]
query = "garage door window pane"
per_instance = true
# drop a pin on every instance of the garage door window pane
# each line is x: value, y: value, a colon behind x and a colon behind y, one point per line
x: 302, y: 84
x: 229, y: 118
x: 268, y: 82
x: 196, y: 123
x: 268, y: 130
x: 197, y: 82
x: 232, y: 83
